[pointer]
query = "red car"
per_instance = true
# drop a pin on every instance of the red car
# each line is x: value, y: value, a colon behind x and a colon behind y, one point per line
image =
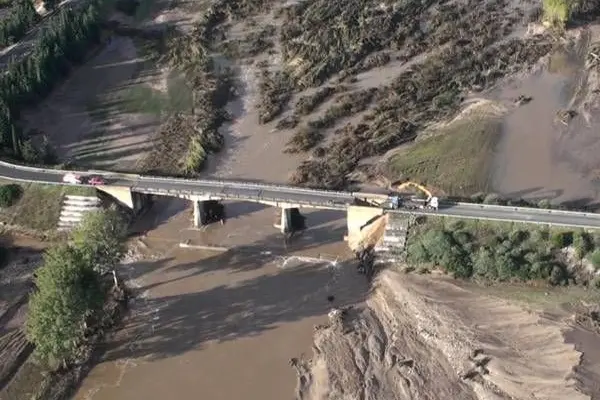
x: 96, y: 180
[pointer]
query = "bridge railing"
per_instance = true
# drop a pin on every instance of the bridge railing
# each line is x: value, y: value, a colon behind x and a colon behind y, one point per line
x: 528, y: 210
x: 257, y: 197
x: 239, y: 184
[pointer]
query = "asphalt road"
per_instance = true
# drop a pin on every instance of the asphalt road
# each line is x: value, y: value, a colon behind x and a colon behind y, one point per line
x: 304, y: 197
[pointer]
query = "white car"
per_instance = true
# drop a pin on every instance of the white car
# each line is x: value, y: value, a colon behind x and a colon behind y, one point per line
x: 72, y: 178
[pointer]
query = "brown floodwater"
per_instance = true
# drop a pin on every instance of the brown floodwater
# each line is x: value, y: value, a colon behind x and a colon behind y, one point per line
x: 539, y: 156
x: 224, y: 325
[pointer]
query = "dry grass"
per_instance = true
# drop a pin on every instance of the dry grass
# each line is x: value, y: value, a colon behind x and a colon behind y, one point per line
x: 39, y: 206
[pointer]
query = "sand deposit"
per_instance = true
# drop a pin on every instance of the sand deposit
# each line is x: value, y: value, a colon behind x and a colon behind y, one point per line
x: 426, y: 338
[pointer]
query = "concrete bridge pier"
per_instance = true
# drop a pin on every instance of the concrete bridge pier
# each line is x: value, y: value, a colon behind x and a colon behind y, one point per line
x: 207, y: 211
x: 291, y: 220
x: 141, y: 201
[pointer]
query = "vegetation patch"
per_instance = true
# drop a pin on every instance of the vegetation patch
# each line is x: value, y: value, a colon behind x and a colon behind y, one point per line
x: 21, y: 17
x: 456, y: 158
x: 10, y: 194
x: 186, y: 139
x: 77, y: 297
x: 502, y: 251
x: 38, y: 207
x: 557, y: 12
x: 307, y: 104
x: 275, y: 93
x: 253, y: 44
x: 142, y: 98
x: 66, y: 41
x: 429, y: 92
x: 304, y: 139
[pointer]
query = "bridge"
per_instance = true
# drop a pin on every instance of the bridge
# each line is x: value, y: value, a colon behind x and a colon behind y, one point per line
x: 131, y: 190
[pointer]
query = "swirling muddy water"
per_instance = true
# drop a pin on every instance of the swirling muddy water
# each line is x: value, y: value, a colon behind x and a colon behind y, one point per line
x: 224, y: 325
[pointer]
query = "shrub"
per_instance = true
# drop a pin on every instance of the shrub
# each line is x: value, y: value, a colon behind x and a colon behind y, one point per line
x: 582, y: 242
x: 544, y: 203
x: 195, y: 157
x: 9, y: 194
x: 492, y: 198
x: 304, y: 139
x: 478, y: 197
x: 557, y: 12
x: 595, y: 259
x: 561, y: 239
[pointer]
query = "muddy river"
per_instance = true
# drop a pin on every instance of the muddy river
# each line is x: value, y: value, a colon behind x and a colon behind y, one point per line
x: 541, y: 155
x: 224, y: 325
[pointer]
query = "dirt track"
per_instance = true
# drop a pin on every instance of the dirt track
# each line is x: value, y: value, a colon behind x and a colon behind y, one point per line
x: 425, y: 338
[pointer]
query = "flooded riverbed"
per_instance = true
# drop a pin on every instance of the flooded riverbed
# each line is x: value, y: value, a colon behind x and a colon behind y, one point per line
x: 548, y: 149
x: 224, y: 325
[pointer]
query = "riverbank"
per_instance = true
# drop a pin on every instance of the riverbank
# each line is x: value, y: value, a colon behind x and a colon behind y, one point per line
x: 427, y: 337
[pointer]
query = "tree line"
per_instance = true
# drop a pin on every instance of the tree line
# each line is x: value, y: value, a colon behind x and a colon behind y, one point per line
x: 62, y: 43
x: 70, y: 288
x: 496, y: 253
x: 21, y: 17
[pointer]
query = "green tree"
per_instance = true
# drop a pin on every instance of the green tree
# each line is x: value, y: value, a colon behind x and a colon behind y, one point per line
x: 64, y: 42
x: 101, y: 239
x: 561, y: 239
x: 21, y: 17
x: 9, y: 194
x: 484, y: 264
x: 68, y: 292
x: 582, y: 243
x: 417, y: 253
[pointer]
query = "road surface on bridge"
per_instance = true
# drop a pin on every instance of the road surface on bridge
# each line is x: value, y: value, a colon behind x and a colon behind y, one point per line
x: 301, y: 197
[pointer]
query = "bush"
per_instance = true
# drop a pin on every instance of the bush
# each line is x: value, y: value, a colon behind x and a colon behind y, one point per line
x: 557, y: 12
x: 9, y: 194
x: 561, y: 239
x: 544, y: 203
x: 275, y: 92
x: 304, y: 139
x: 595, y: 259
x: 583, y: 244
x: 492, y: 198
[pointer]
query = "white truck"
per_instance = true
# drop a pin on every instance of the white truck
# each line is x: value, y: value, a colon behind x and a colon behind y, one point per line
x: 395, y: 202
